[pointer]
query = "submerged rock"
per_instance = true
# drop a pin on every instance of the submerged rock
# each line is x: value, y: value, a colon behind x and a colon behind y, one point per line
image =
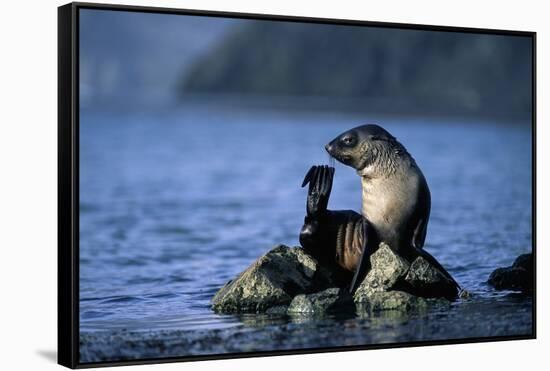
x: 518, y: 277
x: 428, y: 281
x: 326, y: 301
x: 279, y: 309
x: 273, y: 280
x: 391, y: 300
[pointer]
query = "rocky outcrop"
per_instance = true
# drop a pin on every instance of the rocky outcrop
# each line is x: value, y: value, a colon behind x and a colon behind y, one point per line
x: 273, y: 280
x: 289, y: 281
x: 386, y: 269
x: 518, y: 277
x: 394, y: 284
x: 390, y: 300
x: 326, y: 301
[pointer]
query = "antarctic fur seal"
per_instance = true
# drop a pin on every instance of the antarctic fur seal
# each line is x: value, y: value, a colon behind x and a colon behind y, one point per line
x: 396, y: 198
x: 395, y: 207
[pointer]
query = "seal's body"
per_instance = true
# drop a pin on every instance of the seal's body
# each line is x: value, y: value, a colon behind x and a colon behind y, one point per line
x: 336, y: 238
x: 395, y: 204
x: 395, y: 194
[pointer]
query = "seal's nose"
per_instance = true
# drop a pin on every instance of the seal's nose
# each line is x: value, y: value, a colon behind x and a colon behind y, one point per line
x: 328, y: 147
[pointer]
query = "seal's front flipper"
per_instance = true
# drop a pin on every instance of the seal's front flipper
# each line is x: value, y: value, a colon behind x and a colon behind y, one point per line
x: 320, y: 185
x: 314, y: 232
x: 436, y: 264
x: 364, y: 262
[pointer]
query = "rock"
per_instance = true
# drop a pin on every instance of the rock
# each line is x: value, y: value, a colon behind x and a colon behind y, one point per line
x: 397, y: 301
x: 386, y: 269
x: 279, y: 309
x: 273, y: 280
x: 394, y: 284
x: 427, y: 281
x: 329, y: 300
x: 288, y: 280
x: 524, y: 261
x: 518, y: 277
x: 391, y: 300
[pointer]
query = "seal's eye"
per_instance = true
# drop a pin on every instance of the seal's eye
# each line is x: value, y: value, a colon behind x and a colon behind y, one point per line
x: 348, y: 140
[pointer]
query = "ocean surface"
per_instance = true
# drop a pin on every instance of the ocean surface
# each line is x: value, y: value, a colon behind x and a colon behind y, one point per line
x: 174, y: 204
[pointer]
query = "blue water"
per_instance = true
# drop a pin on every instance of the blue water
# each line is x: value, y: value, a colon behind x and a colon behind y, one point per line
x: 174, y: 204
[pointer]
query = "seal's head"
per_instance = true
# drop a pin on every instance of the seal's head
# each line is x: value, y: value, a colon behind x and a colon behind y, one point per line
x: 359, y: 146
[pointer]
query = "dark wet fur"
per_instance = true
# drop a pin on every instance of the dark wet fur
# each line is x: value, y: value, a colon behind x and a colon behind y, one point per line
x: 335, y: 238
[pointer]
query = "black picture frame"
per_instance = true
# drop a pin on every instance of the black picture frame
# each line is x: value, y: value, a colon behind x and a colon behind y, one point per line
x: 68, y: 179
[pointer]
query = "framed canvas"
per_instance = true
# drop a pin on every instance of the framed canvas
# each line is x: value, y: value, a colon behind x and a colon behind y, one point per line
x: 242, y: 185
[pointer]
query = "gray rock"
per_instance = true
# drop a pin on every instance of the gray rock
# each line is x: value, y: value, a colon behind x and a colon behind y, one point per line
x: 288, y: 280
x: 273, y: 280
x: 391, y: 300
x: 398, y: 301
x: 329, y: 300
x: 386, y: 269
x: 279, y: 309
x: 427, y: 281
x: 394, y: 284
x: 517, y: 277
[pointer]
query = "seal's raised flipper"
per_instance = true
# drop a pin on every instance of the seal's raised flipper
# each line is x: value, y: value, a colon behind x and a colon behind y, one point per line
x: 320, y: 185
x: 337, y: 238
x: 319, y: 179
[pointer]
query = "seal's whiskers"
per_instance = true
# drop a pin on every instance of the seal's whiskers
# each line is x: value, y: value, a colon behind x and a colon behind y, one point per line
x: 331, y: 161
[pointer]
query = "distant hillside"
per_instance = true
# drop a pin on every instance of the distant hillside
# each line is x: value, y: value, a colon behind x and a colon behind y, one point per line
x: 392, y: 70
x: 132, y: 59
